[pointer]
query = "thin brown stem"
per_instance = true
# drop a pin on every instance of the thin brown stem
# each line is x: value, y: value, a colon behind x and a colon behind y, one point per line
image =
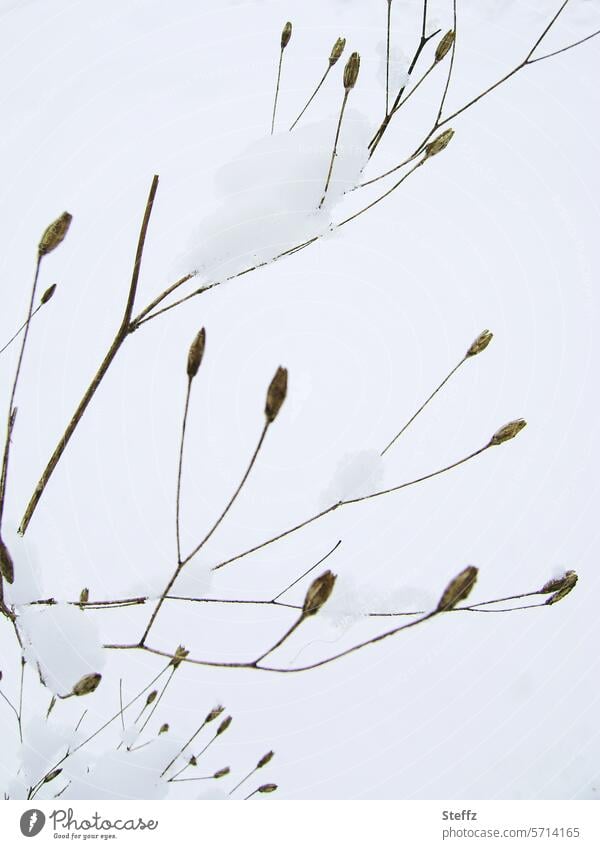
x: 308, y: 571
x: 21, y: 329
x: 335, y: 145
x: 243, y: 781
x: 277, y: 90
x: 183, y: 748
x: 387, y: 58
x: 423, y: 405
x: 121, y: 335
x: 282, y: 639
x: 180, y: 469
x: 310, y: 99
x: 11, y: 403
x: 214, y: 527
x: 347, y: 502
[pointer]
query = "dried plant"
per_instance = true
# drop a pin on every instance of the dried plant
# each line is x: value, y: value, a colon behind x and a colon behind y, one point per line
x: 185, y: 760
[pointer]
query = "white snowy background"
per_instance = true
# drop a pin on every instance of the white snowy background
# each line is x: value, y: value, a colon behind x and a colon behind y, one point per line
x: 499, y: 231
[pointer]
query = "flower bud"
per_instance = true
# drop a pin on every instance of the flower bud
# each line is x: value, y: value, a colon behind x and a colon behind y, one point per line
x: 555, y: 584
x: 48, y: 294
x: 220, y: 773
x: 267, y: 788
x: 286, y: 34
x: 480, y: 344
x: 215, y: 712
x: 458, y: 589
x: 86, y: 685
x: 568, y: 584
x: 276, y: 394
x: 224, y: 726
x: 265, y: 760
x: 54, y: 234
x: 336, y: 51
x: 7, y: 569
x: 508, y: 431
x: 318, y: 593
x: 180, y: 655
x: 195, y: 354
x: 438, y: 144
x: 351, y: 71
x: 444, y: 45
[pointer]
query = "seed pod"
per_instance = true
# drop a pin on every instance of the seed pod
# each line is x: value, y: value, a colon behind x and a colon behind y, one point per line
x: 86, y: 685
x: 458, y: 589
x: 220, y: 773
x: 151, y: 697
x: 48, y: 294
x: 215, y: 712
x: 438, y: 144
x: 51, y: 706
x: 318, y: 593
x: 178, y: 657
x: 568, y: 585
x: 54, y: 234
x: 351, y: 71
x: 192, y: 761
x: 267, y: 788
x: 52, y: 775
x: 336, y: 51
x: 195, y: 354
x: 265, y: 760
x: 286, y: 34
x: 276, y: 394
x: 84, y: 596
x: 7, y: 569
x: 480, y: 344
x: 555, y: 584
x: 508, y: 431
x: 224, y: 725
x: 164, y: 728
x: 444, y: 45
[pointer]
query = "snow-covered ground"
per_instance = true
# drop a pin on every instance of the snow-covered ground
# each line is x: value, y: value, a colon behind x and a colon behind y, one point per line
x: 499, y: 231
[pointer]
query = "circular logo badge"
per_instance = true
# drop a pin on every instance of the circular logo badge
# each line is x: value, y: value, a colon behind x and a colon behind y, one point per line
x: 32, y: 822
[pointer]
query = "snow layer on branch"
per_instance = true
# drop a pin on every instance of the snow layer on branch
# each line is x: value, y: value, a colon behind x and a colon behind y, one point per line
x: 64, y: 642
x: 270, y: 195
x: 357, y: 474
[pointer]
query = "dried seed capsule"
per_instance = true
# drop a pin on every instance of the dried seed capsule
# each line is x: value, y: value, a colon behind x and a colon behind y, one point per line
x: 214, y: 713
x: 480, y: 344
x: 88, y: 684
x: 192, y: 761
x: 286, y: 34
x: 224, y: 725
x: 164, y: 728
x: 438, y: 144
x: 52, y: 775
x: 276, y: 394
x: 151, y: 697
x: 351, y: 71
x: 508, y: 431
x: 318, y: 593
x: 7, y: 569
x: 54, y: 234
x: 220, y: 773
x: 48, y: 294
x: 555, y: 584
x: 444, y: 45
x: 568, y: 585
x: 180, y: 655
x: 195, y: 354
x: 458, y: 589
x: 267, y: 788
x: 336, y: 51
x: 84, y: 596
x: 265, y: 760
